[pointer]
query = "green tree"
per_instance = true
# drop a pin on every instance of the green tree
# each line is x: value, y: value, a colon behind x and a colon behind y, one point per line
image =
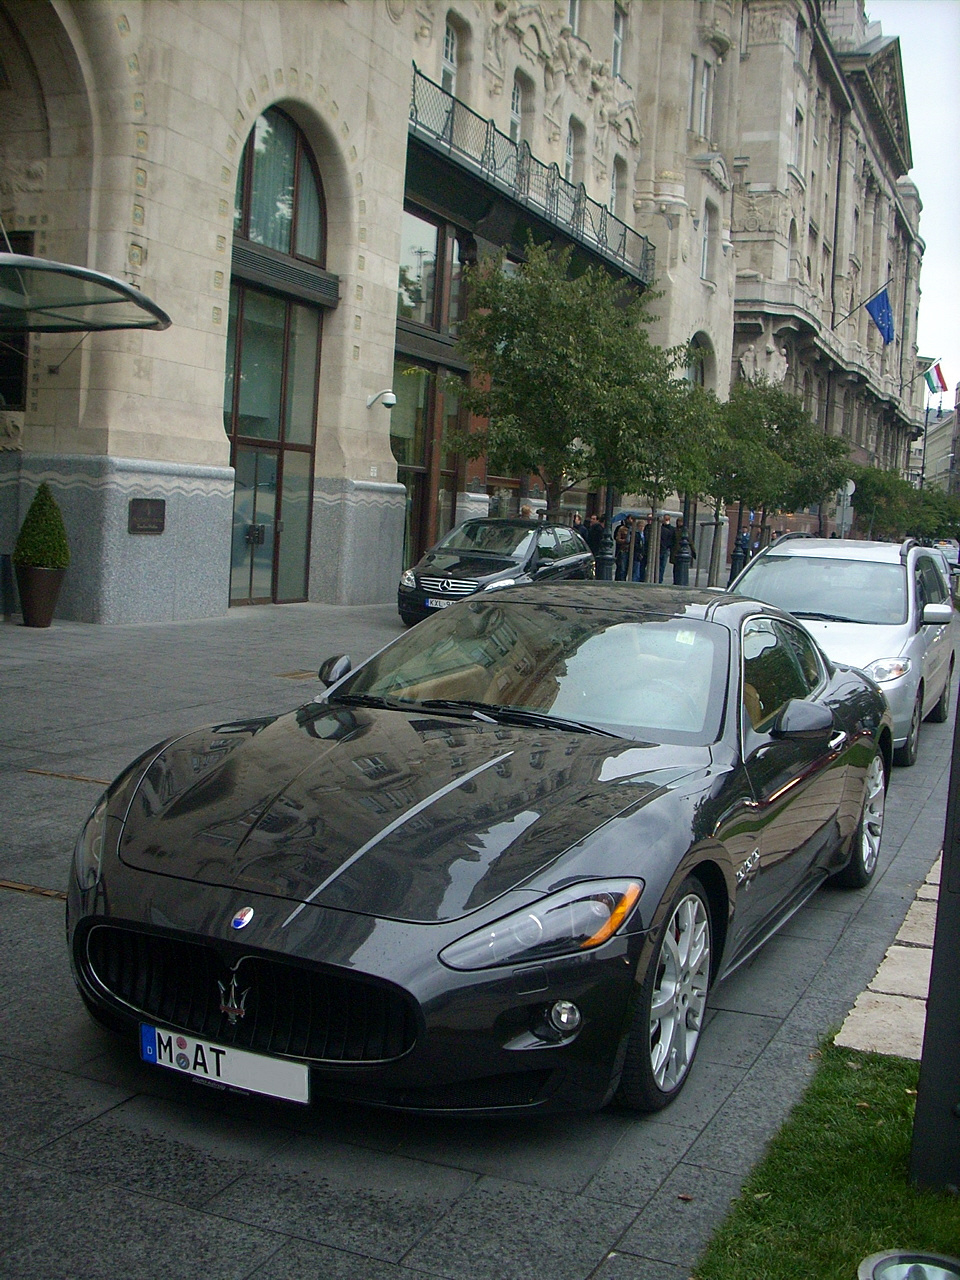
x: 564, y: 374
x: 884, y: 504
x: 771, y: 455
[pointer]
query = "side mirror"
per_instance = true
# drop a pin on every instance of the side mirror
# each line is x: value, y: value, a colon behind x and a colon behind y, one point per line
x: 937, y: 615
x: 335, y: 669
x: 800, y: 719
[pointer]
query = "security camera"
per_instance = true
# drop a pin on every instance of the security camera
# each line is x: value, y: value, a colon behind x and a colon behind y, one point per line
x: 387, y: 396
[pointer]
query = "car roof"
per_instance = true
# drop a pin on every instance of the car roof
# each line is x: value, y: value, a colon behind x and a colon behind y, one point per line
x: 522, y: 522
x: 837, y: 549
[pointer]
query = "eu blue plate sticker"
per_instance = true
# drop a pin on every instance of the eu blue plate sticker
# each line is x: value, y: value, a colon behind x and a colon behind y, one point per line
x: 148, y: 1043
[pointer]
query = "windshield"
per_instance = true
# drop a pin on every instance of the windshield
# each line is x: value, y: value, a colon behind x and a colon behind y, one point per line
x: 829, y: 588
x: 643, y: 677
x: 513, y: 540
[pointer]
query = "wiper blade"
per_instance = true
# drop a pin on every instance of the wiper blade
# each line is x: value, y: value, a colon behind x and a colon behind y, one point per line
x: 463, y: 706
x: 823, y: 617
x: 366, y: 700
x: 543, y: 719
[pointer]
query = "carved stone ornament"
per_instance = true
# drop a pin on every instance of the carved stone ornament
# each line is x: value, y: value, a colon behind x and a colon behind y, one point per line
x: 395, y: 9
x: 765, y: 24
x: 11, y: 429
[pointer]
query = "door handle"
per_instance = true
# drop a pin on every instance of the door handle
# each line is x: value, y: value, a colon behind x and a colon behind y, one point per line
x: 837, y: 741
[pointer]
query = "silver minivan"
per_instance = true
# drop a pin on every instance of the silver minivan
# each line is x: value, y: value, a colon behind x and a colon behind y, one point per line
x: 880, y: 606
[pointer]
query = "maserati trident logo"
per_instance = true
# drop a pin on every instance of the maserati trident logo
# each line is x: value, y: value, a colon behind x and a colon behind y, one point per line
x: 233, y: 1002
x: 242, y: 918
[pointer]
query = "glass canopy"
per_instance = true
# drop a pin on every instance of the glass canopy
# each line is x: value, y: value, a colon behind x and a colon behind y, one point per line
x: 38, y: 296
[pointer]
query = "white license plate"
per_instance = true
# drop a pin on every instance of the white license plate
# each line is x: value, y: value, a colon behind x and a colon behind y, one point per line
x: 218, y: 1064
x: 431, y: 603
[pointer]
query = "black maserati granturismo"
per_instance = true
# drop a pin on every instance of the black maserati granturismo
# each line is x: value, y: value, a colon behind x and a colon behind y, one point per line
x: 498, y: 866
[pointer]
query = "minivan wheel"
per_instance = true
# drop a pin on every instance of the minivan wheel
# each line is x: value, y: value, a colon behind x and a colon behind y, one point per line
x: 940, y: 712
x: 907, y: 754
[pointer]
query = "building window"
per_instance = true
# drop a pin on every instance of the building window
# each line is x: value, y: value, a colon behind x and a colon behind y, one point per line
x: 706, y: 83
x: 708, y: 245
x: 568, y: 154
x: 798, y: 140
x: 416, y: 293
x: 448, y: 74
x: 516, y: 110
x: 272, y: 366
x: 13, y: 347
x: 279, y: 202
x: 618, y: 187
x: 619, y: 30
x: 573, y: 16
x: 692, y: 107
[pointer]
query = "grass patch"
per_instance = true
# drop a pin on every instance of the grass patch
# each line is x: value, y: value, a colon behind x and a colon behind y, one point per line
x: 833, y: 1186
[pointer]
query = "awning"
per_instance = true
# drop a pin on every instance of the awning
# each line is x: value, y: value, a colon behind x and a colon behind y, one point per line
x: 38, y: 296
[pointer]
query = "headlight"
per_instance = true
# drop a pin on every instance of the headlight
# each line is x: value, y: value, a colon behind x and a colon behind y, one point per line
x: 502, y: 582
x: 88, y: 855
x: 885, y: 669
x: 577, y: 918
x: 407, y: 579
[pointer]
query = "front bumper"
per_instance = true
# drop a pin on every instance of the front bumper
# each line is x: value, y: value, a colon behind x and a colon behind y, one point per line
x: 901, y: 695
x: 473, y: 1042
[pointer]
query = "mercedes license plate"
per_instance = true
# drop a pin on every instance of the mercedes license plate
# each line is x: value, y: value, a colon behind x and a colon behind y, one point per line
x: 432, y: 603
x: 218, y: 1064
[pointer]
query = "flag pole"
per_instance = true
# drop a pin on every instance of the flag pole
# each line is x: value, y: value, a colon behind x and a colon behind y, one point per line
x: 862, y: 304
x: 932, y: 365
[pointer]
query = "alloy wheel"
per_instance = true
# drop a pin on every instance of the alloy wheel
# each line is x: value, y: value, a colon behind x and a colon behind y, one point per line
x: 871, y: 821
x: 680, y: 992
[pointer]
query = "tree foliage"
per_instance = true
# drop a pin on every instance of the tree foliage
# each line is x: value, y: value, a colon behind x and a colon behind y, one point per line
x: 887, y: 507
x: 570, y: 385
x: 771, y: 454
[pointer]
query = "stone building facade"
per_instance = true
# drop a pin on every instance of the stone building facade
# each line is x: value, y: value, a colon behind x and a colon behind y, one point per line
x: 299, y: 184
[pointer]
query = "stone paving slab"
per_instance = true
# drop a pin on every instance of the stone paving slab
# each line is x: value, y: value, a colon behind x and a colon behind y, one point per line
x: 109, y: 1168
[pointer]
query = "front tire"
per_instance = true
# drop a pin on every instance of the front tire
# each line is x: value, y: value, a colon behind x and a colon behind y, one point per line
x: 866, y: 841
x: 906, y: 755
x: 940, y: 712
x: 672, y: 1003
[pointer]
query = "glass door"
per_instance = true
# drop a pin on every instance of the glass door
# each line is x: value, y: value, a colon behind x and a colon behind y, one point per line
x: 269, y: 408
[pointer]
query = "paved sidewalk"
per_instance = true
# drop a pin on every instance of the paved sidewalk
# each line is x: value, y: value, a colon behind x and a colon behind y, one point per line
x: 889, y: 1015
x: 109, y: 1169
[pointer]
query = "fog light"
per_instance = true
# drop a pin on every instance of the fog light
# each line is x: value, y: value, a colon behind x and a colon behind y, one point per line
x: 907, y: 1265
x: 565, y: 1016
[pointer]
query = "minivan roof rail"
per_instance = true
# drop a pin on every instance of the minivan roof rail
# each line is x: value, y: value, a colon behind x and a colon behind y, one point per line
x: 906, y: 546
x: 792, y: 534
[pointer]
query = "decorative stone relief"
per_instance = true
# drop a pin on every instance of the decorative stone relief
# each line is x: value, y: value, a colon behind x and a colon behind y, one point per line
x: 11, y: 429
x: 765, y: 25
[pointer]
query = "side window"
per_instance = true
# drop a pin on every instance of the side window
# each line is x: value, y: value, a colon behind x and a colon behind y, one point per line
x: 805, y: 654
x: 547, y: 548
x: 771, y: 673
x: 568, y: 542
x: 931, y: 587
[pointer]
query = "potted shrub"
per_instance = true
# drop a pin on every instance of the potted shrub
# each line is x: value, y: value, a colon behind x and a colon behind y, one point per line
x: 40, y: 558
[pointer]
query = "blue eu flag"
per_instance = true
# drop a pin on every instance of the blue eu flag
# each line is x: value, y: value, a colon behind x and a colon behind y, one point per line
x: 882, y: 315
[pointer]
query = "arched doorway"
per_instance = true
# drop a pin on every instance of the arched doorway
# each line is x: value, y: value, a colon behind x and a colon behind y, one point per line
x: 277, y: 293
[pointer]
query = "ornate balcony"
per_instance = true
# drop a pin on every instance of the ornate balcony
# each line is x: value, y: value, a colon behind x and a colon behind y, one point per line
x: 449, y: 128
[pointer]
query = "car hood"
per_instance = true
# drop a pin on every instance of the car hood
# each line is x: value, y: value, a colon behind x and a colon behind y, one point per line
x: 451, y: 564
x: 386, y: 813
x: 857, y: 644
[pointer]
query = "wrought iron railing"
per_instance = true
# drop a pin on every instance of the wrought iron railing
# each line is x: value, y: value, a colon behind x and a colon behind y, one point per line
x: 448, y: 125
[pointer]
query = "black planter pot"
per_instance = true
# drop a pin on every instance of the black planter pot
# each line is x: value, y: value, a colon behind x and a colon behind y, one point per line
x: 39, y: 589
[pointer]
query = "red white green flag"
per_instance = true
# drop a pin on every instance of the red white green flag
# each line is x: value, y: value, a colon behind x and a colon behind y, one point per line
x: 935, y: 379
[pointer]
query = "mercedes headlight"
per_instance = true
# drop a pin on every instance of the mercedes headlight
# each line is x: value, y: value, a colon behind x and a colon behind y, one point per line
x: 886, y: 669
x: 501, y: 582
x: 578, y: 918
x: 407, y: 579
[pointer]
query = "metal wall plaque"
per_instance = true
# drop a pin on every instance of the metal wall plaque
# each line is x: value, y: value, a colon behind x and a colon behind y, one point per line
x: 146, y: 515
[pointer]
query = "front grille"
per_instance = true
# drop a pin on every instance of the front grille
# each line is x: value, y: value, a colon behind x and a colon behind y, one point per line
x: 288, y: 1011
x: 449, y: 586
